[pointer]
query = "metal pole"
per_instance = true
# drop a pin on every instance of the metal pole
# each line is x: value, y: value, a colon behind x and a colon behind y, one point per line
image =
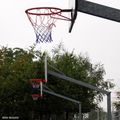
x: 66, y: 98
x: 46, y: 68
x: 98, y: 115
x: 80, y: 113
x: 109, y: 115
x: 78, y: 82
x: 41, y: 89
x: 81, y: 83
x: 61, y: 96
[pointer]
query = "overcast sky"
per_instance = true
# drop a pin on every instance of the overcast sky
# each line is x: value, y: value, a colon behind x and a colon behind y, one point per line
x: 96, y: 37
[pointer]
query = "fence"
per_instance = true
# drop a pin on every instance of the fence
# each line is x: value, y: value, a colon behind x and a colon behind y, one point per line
x: 92, y: 115
x: 101, y: 115
x: 95, y: 115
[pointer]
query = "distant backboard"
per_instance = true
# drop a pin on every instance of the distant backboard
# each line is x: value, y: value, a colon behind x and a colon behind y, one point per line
x: 72, y: 5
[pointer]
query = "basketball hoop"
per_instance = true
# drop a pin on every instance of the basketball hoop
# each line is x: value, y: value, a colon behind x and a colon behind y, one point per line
x: 43, y: 20
x: 37, y: 80
x: 37, y: 84
x: 36, y: 96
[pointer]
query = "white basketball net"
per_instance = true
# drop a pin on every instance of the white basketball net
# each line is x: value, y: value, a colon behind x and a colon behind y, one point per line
x: 42, y: 25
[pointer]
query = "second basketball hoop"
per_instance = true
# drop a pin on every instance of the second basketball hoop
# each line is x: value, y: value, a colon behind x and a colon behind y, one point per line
x: 37, y: 85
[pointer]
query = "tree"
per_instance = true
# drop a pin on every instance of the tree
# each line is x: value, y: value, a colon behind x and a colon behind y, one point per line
x: 80, y: 68
x: 116, y: 104
x: 18, y: 66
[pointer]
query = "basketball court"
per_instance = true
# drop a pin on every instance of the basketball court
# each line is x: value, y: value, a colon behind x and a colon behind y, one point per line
x: 43, y: 19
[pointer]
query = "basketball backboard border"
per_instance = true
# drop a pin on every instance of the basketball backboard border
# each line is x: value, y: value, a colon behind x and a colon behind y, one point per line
x: 73, y: 15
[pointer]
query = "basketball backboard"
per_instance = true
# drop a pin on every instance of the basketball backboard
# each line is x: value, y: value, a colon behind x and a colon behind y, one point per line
x: 98, y: 10
x: 73, y: 6
x: 92, y: 8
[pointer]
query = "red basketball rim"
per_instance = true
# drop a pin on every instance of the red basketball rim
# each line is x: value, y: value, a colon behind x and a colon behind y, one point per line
x: 52, y: 10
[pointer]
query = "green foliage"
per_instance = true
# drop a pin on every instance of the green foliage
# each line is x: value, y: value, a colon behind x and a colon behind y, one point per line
x: 80, y: 68
x: 18, y: 66
x: 15, y: 71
